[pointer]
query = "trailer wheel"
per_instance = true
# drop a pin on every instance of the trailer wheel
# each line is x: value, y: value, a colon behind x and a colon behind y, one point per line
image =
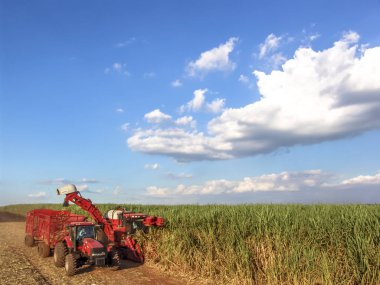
x: 60, y: 252
x: 114, y: 260
x: 29, y: 241
x: 43, y: 249
x: 70, y: 265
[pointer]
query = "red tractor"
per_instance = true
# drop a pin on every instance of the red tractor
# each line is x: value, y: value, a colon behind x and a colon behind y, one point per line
x: 72, y: 239
x: 117, y: 225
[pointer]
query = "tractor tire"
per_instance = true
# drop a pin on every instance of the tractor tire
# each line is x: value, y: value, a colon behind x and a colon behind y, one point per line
x: 70, y: 265
x: 43, y: 250
x: 29, y: 241
x: 114, y: 260
x: 60, y: 252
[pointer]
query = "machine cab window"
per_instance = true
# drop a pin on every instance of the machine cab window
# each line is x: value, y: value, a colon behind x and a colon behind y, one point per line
x: 85, y: 232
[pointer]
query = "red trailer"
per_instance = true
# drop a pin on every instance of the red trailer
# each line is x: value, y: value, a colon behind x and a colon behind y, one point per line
x: 46, y: 227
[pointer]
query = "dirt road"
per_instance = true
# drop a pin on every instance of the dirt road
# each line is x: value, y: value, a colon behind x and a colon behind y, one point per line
x: 22, y: 265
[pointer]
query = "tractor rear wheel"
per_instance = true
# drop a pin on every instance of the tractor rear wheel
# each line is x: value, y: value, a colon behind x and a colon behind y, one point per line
x: 70, y: 265
x: 29, y: 241
x: 43, y: 249
x: 114, y: 260
x: 60, y: 252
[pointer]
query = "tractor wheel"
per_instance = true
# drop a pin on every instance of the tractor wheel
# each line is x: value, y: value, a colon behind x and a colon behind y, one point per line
x: 70, y: 265
x: 43, y: 249
x: 60, y: 252
x: 29, y: 241
x: 114, y: 260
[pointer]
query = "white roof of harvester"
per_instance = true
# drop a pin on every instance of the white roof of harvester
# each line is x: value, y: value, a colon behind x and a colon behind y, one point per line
x: 66, y: 189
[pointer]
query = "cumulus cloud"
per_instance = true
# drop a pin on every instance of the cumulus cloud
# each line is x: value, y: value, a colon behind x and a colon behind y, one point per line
x: 270, y: 44
x: 284, y: 181
x: 216, y: 59
x: 37, y: 195
x: 199, y: 102
x: 186, y: 121
x: 156, y: 117
x: 216, y: 106
x: 196, y: 103
x: 179, y: 143
x: 317, y: 96
x: 120, y: 110
x: 308, y: 180
x: 363, y: 180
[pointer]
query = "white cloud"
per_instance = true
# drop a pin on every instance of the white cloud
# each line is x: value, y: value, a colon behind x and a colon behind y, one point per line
x: 186, y: 120
x: 216, y: 106
x: 154, y: 166
x: 157, y: 191
x: 351, y: 37
x: 314, y: 37
x: 363, y: 180
x: 284, y: 181
x: 302, y: 181
x: 317, y: 96
x: 181, y: 144
x: 156, y: 117
x: 120, y: 110
x: 271, y: 44
x: 277, y: 59
x: 243, y: 78
x: 216, y: 59
x: 176, y: 83
x: 37, y: 195
x: 179, y: 175
x: 196, y: 103
x: 125, y: 127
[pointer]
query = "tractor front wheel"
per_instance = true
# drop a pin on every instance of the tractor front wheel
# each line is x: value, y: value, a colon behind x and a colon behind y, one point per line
x: 29, y: 241
x: 70, y: 265
x: 60, y: 252
x: 114, y: 260
x: 43, y: 249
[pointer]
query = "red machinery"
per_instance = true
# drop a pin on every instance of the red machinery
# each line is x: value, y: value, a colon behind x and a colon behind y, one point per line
x: 73, y: 239
x: 118, y: 225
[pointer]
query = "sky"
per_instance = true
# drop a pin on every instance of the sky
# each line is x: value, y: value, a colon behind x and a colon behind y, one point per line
x: 182, y: 102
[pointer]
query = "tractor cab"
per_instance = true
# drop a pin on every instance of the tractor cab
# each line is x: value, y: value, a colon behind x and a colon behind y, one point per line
x: 83, y: 244
x: 79, y: 231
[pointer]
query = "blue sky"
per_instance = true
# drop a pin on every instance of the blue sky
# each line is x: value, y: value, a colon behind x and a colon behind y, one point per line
x: 190, y: 102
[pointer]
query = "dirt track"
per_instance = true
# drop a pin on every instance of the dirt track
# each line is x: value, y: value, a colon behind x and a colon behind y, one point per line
x: 22, y: 265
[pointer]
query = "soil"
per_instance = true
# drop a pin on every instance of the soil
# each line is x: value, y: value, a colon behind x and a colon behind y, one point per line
x: 22, y: 265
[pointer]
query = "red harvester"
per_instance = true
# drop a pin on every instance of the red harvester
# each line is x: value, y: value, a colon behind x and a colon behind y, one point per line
x: 117, y: 226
